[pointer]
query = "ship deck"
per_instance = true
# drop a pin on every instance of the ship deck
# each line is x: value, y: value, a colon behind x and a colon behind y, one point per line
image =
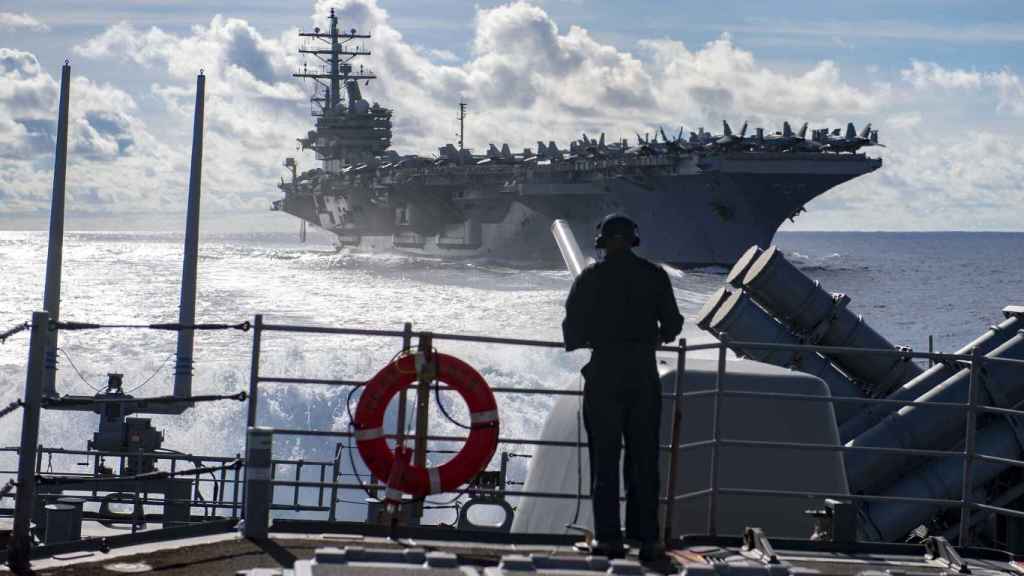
x: 428, y: 551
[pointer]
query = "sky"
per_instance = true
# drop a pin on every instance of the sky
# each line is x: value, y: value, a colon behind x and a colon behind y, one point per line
x: 940, y: 80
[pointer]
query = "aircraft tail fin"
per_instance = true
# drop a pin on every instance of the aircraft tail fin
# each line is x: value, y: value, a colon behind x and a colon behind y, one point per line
x: 851, y: 132
x: 726, y: 129
x: 449, y: 151
x: 803, y: 131
x: 866, y: 132
x: 787, y: 131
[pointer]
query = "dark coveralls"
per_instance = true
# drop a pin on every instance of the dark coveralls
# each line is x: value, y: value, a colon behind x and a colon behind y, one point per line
x: 622, y: 307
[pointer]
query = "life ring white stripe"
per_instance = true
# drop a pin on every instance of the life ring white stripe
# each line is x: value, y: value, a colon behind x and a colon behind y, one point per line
x: 435, y: 480
x: 484, y: 417
x: 370, y: 433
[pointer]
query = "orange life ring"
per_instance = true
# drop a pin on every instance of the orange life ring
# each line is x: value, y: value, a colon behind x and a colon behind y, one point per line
x: 476, y: 453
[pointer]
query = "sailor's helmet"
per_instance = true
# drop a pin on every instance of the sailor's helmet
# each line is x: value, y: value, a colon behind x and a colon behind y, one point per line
x: 616, y: 224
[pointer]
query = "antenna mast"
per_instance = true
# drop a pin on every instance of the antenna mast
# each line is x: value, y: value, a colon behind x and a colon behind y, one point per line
x: 462, y: 126
x: 332, y: 49
x: 348, y: 128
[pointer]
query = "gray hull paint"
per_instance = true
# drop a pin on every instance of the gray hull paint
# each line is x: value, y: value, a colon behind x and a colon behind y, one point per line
x: 686, y: 218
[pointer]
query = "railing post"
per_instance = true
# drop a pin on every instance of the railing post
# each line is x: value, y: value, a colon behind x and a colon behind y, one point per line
x: 259, y: 491
x: 403, y: 395
x: 677, y: 418
x: 425, y: 374
x: 968, y: 477
x: 716, y: 410
x: 335, y: 469
x: 20, y: 546
x: 254, y: 370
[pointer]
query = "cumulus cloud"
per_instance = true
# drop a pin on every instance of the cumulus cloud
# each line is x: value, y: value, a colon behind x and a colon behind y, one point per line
x: 254, y: 109
x: 1007, y: 86
x: 108, y: 144
x: 12, y: 21
x: 965, y: 181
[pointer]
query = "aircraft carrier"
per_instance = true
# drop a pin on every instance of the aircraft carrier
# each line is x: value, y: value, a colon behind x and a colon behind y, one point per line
x: 699, y: 199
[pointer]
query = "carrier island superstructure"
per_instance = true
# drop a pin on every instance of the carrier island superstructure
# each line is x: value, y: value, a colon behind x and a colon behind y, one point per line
x: 699, y: 199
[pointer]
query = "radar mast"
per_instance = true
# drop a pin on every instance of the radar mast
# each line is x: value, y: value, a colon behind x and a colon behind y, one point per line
x: 349, y: 130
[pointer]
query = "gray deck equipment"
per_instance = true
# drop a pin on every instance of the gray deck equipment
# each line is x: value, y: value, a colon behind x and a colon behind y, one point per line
x: 824, y: 318
x: 928, y: 427
x: 933, y: 376
x: 741, y: 319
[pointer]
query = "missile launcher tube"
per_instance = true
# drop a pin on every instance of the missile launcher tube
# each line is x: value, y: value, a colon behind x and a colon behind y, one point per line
x: 740, y: 268
x: 740, y: 318
x: 803, y: 305
x: 926, y: 427
x: 930, y: 378
x: 891, y: 521
x: 710, y: 308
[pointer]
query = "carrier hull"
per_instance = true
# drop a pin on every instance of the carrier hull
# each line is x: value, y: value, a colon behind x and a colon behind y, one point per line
x: 688, y: 216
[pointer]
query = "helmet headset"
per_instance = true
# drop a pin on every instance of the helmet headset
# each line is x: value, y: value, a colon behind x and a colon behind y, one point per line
x: 616, y: 225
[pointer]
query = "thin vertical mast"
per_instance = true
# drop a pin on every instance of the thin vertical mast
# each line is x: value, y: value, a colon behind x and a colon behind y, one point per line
x: 335, y: 64
x: 462, y: 126
x: 55, y: 248
x: 187, y: 306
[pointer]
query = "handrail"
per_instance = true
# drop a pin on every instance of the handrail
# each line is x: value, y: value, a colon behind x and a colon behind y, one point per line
x: 829, y: 399
x: 971, y: 408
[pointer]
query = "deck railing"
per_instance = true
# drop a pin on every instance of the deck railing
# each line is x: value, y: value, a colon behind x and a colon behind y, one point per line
x: 327, y: 490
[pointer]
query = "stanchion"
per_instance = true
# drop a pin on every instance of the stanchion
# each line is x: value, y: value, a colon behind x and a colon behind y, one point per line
x: 258, y: 489
x: 677, y: 419
x: 20, y: 546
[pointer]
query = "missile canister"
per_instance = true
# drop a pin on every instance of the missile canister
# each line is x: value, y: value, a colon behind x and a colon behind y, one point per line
x: 806, y: 308
x: 930, y: 378
x: 740, y: 268
x: 741, y: 319
x: 891, y: 521
x: 931, y: 427
x: 711, y: 306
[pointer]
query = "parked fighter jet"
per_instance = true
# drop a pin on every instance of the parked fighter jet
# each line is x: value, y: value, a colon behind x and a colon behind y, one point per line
x: 589, y: 147
x: 728, y: 140
x: 786, y: 140
x: 496, y: 156
x: 852, y: 141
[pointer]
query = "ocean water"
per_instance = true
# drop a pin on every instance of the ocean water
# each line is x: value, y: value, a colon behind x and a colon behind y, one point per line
x: 907, y: 285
